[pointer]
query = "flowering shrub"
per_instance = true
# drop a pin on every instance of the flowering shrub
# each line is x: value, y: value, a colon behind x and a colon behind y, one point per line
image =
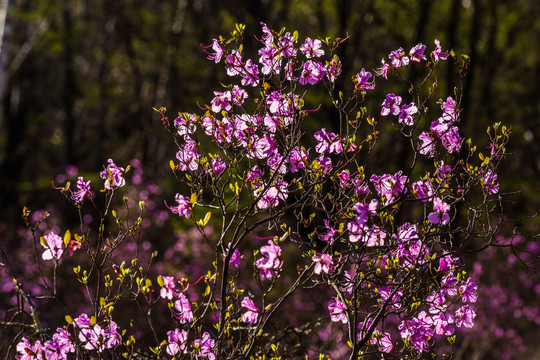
x: 311, y: 250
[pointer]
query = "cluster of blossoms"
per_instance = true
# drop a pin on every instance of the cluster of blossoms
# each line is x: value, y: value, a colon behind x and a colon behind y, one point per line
x: 88, y: 334
x: 386, y: 272
x: 258, y: 138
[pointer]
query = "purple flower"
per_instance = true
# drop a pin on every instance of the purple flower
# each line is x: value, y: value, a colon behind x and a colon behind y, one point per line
x: 221, y: 101
x: 389, y: 186
x: 185, y: 127
x: 423, y: 190
x: 271, y: 197
x: 362, y: 79
x: 327, y: 142
x: 250, y: 74
x: 383, y: 70
x: 417, y: 331
x: 333, y: 69
x: 443, y: 323
x: 83, y: 190
x: 406, y: 114
x: 217, y: 166
x: 437, y: 54
x: 312, y: 48
x: 183, y: 309
x: 216, y: 56
x: 312, y: 73
x: 390, y: 105
x: 270, y: 264
x: 94, y: 337
x: 252, y: 314
x: 233, y: 63
x: 385, y: 292
x: 54, y: 245
x: 297, y: 158
x: 176, y: 342
x: 28, y: 351
x: 427, y: 145
x: 399, y: 58
x: 440, y: 212
x: 330, y: 235
x: 468, y: 291
x: 182, y: 209
x: 488, y: 180
x: 465, y: 317
x: 236, y: 258
x: 337, y: 311
x: 323, y: 263
x: 188, y: 155
x: 113, y: 176
x: 203, y: 347
x: 417, y: 53
x: 451, y: 140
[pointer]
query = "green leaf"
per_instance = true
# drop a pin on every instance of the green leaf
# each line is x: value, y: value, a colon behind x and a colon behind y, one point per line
x: 67, y: 238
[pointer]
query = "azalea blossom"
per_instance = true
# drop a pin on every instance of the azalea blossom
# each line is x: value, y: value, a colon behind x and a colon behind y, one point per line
x: 337, y: 311
x: 54, y: 245
x: 182, y: 207
x: 440, y: 212
x: 323, y: 263
x: 83, y: 190
x: 113, y: 176
x: 312, y: 48
x: 252, y: 314
x: 183, y: 309
x: 176, y: 342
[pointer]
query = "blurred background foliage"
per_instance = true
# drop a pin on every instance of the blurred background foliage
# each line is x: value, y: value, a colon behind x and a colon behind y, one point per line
x: 79, y: 79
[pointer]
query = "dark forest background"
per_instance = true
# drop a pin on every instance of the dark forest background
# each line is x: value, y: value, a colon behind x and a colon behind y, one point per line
x: 79, y: 79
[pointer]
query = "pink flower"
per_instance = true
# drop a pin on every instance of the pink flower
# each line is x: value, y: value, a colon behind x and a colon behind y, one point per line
x: 183, y: 309
x: 54, y: 245
x: 182, y: 209
x: 406, y: 114
x: 465, y: 317
x: 362, y: 79
x: 323, y: 263
x: 333, y: 69
x: 236, y: 258
x: 177, y: 340
x: 427, y: 145
x: 312, y: 48
x: 439, y: 214
x: 489, y: 181
x: 330, y: 235
x: 468, y: 291
x: 204, y: 346
x: 390, y: 105
x: 113, y: 176
x: 168, y: 291
x: 218, y: 52
x: 337, y: 311
x: 83, y: 190
x: 417, y: 53
x: 383, y: 70
x: 251, y: 315
x: 312, y: 73
x: 437, y: 54
x: 72, y: 246
x: 399, y: 58
x: 328, y: 142
x: 270, y: 264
